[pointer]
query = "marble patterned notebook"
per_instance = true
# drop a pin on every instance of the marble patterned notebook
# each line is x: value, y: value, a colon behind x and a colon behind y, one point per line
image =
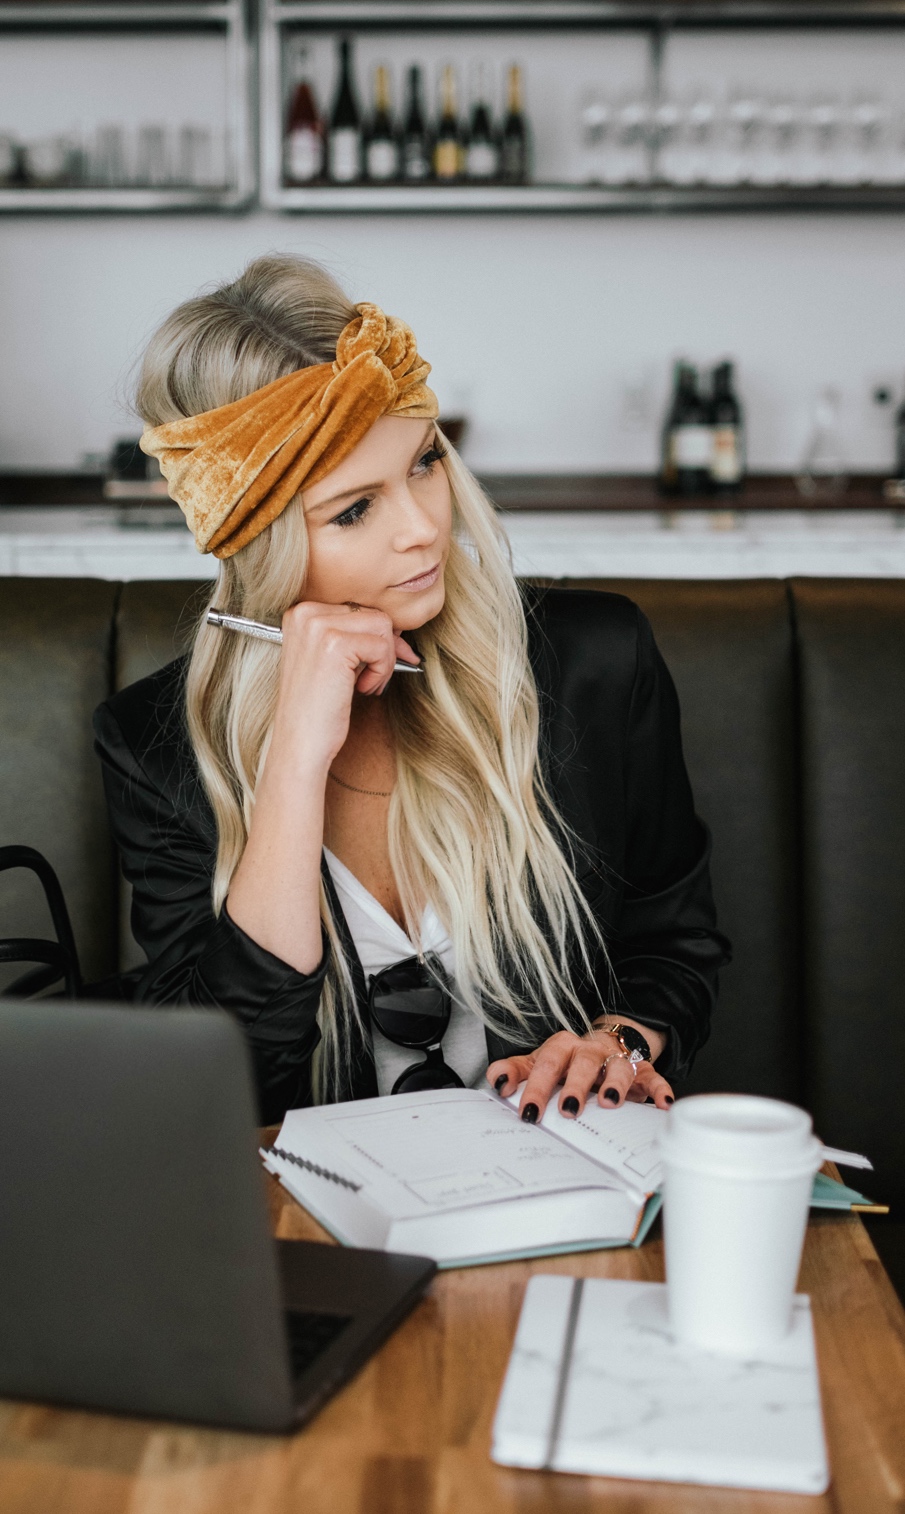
x: 596, y: 1384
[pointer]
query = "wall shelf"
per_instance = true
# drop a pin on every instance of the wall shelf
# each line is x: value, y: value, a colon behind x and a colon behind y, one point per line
x: 228, y: 19
x: 557, y: 190
x: 330, y: 199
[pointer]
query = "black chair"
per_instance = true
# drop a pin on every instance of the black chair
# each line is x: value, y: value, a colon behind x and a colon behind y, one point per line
x: 58, y: 960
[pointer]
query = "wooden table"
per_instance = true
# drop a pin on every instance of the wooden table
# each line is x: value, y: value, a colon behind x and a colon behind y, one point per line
x: 411, y: 1434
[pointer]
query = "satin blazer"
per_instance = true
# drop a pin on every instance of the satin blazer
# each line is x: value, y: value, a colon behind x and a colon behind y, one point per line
x: 611, y: 752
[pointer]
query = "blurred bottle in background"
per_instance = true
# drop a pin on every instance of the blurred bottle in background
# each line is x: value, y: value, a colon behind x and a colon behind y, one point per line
x: 381, y: 143
x: 823, y: 472
x: 514, y: 144
x: 482, y: 153
x: 727, y: 455
x: 303, y: 145
x: 344, y: 154
x: 687, y: 437
x: 416, y: 143
x: 449, y: 148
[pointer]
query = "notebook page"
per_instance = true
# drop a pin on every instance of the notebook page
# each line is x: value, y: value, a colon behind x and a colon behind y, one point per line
x: 624, y: 1140
x: 429, y: 1153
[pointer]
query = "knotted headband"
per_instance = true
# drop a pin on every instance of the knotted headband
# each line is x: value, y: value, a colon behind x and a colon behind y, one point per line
x: 233, y: 470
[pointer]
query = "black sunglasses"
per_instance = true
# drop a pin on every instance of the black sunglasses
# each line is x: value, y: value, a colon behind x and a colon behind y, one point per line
x: 411, y: 1004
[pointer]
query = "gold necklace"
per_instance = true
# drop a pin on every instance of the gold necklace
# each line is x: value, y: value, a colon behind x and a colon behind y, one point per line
x: 373, y: 793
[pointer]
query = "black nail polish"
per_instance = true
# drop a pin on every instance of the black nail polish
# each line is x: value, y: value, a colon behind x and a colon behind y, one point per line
x: 670, y: 1099
x: 612, y: 1094
x: 530, y: 1114
x: 570, y: 1105
x: 501, y: 1081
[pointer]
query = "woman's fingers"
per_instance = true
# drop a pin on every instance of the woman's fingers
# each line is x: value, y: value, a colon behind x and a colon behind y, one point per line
x: 577, y: 1065
x: 506, y: 1075
x: 619, y: 1078
x: 650, y: 1085
x: 583, y: 1075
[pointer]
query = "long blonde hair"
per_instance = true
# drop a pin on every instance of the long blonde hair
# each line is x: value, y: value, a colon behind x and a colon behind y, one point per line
x: 472, y: 826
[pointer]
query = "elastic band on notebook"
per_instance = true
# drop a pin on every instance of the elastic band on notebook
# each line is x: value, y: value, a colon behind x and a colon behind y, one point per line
x: 565, y: 1367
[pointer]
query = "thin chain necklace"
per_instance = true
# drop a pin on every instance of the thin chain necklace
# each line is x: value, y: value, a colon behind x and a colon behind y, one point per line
x: 373, y: 793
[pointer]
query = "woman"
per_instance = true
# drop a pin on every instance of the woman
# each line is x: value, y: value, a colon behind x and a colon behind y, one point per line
x: 503, y: 843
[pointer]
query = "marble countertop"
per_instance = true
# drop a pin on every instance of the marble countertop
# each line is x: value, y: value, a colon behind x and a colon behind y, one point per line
x: 152, y: 542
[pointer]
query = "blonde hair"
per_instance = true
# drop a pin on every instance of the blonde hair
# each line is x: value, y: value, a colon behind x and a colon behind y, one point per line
x: 472, y: 826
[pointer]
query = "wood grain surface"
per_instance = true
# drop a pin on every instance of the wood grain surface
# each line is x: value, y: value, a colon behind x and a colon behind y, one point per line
x: 411, y: 1434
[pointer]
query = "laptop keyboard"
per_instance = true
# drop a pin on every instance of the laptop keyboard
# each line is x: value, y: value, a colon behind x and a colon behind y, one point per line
x: 310, y: 1335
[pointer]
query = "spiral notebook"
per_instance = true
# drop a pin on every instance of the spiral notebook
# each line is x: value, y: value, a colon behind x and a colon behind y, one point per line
x: 457, y: 1176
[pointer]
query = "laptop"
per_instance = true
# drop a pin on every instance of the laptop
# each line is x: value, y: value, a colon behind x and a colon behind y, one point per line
x: 137, y: 1270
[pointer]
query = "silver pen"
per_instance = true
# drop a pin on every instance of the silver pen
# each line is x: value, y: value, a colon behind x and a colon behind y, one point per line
x: 263, y: 632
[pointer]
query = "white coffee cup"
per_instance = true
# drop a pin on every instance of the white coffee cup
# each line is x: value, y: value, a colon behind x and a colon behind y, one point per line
x: 737, y: 1178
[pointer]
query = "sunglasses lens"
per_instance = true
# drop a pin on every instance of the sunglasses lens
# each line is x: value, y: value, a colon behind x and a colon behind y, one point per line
x: 408, y: 1007
x: 426, y: 1076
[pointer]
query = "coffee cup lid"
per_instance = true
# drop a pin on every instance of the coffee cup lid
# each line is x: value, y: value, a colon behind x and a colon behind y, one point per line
x: 740, y: 1132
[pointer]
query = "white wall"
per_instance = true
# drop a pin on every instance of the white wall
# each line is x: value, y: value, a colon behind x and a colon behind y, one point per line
x: 535, y: 325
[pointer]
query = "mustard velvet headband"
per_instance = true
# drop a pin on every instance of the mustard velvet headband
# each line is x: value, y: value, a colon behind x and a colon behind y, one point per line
x: 233, y: 470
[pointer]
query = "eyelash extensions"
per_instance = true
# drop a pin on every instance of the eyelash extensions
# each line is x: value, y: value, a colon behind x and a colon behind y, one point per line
x: 357, y: 512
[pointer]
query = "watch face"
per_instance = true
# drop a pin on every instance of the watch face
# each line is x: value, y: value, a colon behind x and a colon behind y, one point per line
x: 638, y: 1049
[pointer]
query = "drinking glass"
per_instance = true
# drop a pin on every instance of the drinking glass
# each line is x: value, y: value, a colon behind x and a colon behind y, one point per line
x: 152, y: 157
x: 630, y: 158
x: 823, y: 473
x: 194, y: 156
x: 9, y: 158
x: 595, y: 125
x: 107, y: 159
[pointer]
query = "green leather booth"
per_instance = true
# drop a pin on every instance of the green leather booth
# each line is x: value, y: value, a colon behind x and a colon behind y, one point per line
x: 793, y: 700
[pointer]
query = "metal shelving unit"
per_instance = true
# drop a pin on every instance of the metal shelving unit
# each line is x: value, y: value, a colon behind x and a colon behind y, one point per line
x: 655, y: 20
x: 230, y: 19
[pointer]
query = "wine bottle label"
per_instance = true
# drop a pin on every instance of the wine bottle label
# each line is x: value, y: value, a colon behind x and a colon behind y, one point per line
x: 692, y: 446
x: 482, y: 161
x: 725, y: 462
x: 382, y: 159
x: 446, y: 159
x: 345, y: 154
x: 302, y: 160
x: 415, y: 162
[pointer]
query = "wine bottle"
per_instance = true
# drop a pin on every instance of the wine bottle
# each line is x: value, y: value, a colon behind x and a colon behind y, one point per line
x: 415, y: 147
x: 482, y: 153
x: 727, y: 459
x: 344, y: 142
x: 448, y: 150
x: 381, y: 144
x: 303, y: 145
x: 514, y: 144
x: 687, y: 437
x: 900, y: 441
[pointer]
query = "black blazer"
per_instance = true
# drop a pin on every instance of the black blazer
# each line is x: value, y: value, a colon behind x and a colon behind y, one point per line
x: 611, y: 750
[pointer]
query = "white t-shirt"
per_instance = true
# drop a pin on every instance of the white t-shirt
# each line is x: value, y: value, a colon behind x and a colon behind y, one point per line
x: 380, y: 942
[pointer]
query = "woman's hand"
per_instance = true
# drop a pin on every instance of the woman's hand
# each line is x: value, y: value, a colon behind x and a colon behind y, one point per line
x: 577, y: 1065
x: 329, y: 653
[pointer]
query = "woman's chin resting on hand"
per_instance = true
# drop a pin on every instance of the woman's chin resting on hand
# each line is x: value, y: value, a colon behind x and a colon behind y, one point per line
x: 578, y: 1067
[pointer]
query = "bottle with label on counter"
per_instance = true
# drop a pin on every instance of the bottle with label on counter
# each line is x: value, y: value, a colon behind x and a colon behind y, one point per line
x: 303, y: 145
x: 687, y: 437
x: 345, y: 138
x: 381, y: 144
x: 727, y: 460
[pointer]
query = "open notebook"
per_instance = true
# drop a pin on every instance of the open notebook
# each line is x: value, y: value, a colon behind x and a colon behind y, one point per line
x: 457, y: 1176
